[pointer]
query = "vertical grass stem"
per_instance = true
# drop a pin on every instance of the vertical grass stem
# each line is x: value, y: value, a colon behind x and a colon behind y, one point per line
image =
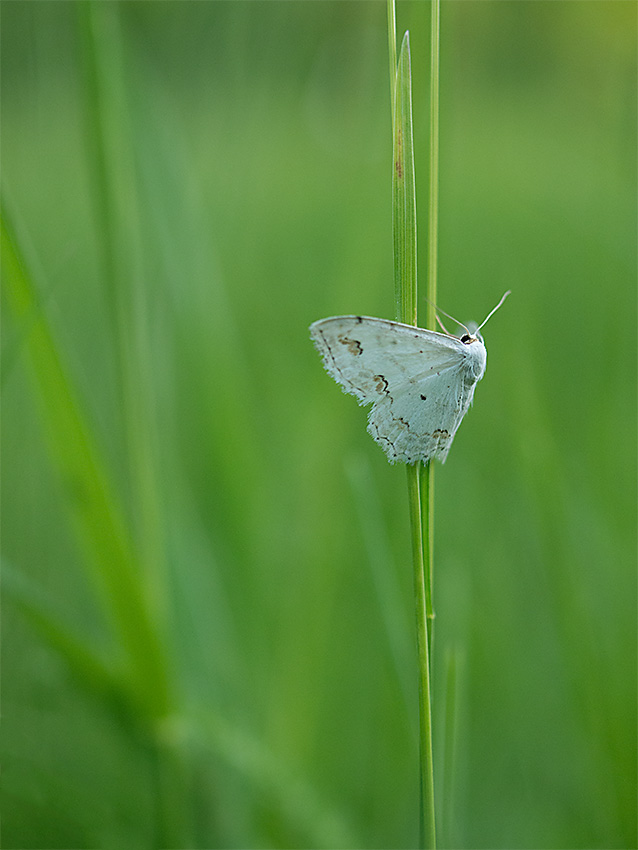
x: 427, y: 471
x: 426, y: 761
x: 433, y: 205
x: 405, y: 276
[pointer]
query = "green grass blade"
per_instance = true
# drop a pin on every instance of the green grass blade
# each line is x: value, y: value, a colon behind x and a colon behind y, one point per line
x: 426, y: 487
x: 427, y: 471
x: 92, y: 672
x: 404, y: 193
x: 433, y: 211
x: 315, y: 821
x: 405, y: 278
x: 426, y: 758
x: 96, y: 514
x: 118, y: 205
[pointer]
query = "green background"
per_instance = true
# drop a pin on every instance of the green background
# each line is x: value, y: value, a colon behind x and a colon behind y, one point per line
x: 191, y: 184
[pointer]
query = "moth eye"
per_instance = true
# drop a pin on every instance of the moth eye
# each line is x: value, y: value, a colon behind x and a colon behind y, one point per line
x: 466, y: 338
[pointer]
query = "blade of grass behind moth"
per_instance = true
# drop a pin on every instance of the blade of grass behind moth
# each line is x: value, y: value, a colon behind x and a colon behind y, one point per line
x: 96, y: 514
x: 403, y: 193
x: 427, y: 470
x: 405, y: 278
x: 433, y: 204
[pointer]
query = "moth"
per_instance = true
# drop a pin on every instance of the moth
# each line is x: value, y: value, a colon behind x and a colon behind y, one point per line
x: 420, y: 383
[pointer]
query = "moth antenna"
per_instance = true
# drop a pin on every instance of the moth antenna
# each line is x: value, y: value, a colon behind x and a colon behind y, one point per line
x: 460, y: 324
x: 436, y: 316
x: 491, y: 313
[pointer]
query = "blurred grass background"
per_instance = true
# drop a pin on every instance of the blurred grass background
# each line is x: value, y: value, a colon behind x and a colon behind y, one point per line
x: 189, y: 186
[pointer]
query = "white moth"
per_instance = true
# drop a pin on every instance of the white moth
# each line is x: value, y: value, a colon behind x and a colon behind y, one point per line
x: 420, y: 383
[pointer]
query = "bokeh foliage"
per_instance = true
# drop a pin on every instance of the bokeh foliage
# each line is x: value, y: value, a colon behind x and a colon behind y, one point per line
x: 190, y: 185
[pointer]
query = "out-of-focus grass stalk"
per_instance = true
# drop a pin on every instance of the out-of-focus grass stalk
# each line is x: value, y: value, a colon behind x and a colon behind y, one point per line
x: 449, y: 746
x: 426, y: 471
x: 83, y: 661
x: 94, y: 508
x: 405, y: 279
x: 118, y: 205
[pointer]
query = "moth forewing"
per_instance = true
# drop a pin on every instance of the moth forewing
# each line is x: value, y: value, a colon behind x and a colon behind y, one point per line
x: 360, y: 351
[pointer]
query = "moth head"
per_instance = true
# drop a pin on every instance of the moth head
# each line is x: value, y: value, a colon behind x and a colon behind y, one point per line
x: 472, y: 329
x: 472, y: 334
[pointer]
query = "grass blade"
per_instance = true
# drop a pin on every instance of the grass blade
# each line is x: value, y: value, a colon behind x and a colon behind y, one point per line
x: 433, y: 205
x: 404, y: 193
x: 426, y: 760
x: 98, y: 520
x: 118, y: 204
x: 84, y: 663
x: 426, y: 472
x: 405, y: 278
